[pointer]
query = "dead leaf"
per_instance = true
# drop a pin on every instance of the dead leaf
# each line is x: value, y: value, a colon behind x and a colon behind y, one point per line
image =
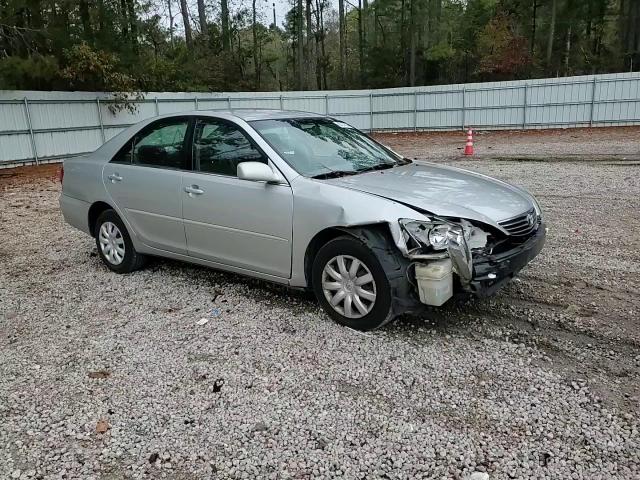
x: 102, y: 426
x: 99, y: 374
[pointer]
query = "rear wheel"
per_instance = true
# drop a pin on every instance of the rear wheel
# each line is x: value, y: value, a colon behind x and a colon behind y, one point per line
x: 351, y: 285
x: 114, y: 244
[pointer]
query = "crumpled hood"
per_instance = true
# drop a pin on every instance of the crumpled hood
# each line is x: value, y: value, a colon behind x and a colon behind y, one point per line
x: 443, y: 191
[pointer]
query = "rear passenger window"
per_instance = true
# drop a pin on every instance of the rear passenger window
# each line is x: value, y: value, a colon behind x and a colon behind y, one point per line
x: 218, y: 147
x: 162, y: 146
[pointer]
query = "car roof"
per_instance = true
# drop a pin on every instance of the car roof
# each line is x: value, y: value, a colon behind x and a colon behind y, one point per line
x: 249, y: 114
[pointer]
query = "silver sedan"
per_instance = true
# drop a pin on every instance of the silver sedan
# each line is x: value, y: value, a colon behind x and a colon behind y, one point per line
x: 303, y: 200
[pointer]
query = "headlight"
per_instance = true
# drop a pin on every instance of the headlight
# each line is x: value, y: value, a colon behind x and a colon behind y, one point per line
x: 438, y: 237
x: 433, y: 234
x: 536, y: 207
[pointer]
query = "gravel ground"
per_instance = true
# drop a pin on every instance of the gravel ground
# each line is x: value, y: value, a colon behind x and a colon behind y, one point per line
x: 110, y: 377
x: 554, y: 145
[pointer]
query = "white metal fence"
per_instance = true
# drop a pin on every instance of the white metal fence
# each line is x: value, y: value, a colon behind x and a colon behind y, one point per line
x: 45, y: 126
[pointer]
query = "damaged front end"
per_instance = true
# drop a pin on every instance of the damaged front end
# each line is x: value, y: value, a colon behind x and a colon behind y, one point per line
x: 456, y: 254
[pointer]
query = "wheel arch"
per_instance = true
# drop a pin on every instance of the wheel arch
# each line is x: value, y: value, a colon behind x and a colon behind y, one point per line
x: 94, y: 212
x: 361, y: 232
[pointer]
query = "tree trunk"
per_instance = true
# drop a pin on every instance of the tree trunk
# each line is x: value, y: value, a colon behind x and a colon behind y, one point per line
x: 187, y: 25
x: 224, y: 13
x: 85, y: 18
x: 403, y: 41
x: 552, y: 31
x: 412, y: 46
x: 533, y: 27
x: 254, y: 31
x: 202, y: 17
x: 35, y: 14
x: 171, y: 26
x: 343, y: 45
x: 361, y: 43
x: 123, y: 20
x: 322, y: 45
x: 133, y: 23
x: 300, y: 46
x: 317, y: 47
x: 101, y: 18
x: 567, y: 52
x: 309, y: 46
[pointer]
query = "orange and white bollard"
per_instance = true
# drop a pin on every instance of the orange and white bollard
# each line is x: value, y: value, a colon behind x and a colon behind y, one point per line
x: 468, y: 149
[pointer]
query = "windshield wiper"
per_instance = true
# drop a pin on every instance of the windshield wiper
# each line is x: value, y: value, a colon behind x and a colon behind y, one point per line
x: 380, y: 166
x: 335, y: 174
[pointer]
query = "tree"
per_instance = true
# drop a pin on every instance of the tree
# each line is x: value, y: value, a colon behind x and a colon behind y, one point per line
x: 224, y: 19
x: 202, y: 17
x: 503, y: 53
x: 367, y: 44
x: 552, y: 31
x: 187, y: 24
x: 343, y: 44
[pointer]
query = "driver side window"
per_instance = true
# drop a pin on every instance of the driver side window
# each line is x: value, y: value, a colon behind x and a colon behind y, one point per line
x: 218, y: 147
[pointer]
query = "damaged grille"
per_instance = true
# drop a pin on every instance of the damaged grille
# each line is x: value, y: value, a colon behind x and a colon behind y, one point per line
x: 522, y: 224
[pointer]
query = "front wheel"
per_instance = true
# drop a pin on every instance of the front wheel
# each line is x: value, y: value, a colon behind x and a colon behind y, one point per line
x: 351, y: 285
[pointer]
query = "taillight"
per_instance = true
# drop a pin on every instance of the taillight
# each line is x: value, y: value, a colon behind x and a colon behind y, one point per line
x: 61, y: 174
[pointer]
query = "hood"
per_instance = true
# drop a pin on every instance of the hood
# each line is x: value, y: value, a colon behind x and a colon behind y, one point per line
x: 443, y: 191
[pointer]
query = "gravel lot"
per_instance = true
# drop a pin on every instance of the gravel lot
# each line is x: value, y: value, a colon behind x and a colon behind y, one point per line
x: 110, y: 377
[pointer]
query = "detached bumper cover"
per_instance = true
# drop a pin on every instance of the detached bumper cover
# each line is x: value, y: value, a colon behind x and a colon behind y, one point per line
x: 491, y: 272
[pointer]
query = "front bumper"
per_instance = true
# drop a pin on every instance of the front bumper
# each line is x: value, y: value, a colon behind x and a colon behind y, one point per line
x: 491, y: 272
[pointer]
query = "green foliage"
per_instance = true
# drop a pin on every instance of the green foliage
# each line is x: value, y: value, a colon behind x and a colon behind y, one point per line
x: 131, y: 46
x: 503, y: 53
x: 96, y: 70
x: 35, y: 72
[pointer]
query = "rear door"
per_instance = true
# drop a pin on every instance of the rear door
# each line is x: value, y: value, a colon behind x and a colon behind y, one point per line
x: 231, y: 221
x: 145, y: 181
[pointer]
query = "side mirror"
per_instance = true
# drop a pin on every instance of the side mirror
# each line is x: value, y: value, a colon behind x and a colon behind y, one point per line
x: 257, y: 172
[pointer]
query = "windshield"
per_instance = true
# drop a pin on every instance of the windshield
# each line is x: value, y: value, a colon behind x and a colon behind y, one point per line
x: 321, y: 147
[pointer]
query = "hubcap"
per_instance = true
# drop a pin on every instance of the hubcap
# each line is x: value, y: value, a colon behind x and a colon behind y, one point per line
x: 348, y: 286
x: 111, y: 243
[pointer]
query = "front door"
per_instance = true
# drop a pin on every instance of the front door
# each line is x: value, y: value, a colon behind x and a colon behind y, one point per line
x: 145, y: 181
x: 231, y: 221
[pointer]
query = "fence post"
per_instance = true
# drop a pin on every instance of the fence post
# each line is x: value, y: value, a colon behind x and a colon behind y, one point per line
x: 464, y: 107
x: 326, y: 104
x: 195, y: 100
x: 100, y: 119
x: 524, y: 113
x: 157, y: 107
x: 229, y: 102
x: 415, y: 111
x: 593, y: 100
x: 34, y: 150
x: 281, y: 103
x: 371, y: 111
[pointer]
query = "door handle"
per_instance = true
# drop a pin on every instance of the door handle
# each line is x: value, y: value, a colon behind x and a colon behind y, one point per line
x: 114, y: 177
x: 194, y: 190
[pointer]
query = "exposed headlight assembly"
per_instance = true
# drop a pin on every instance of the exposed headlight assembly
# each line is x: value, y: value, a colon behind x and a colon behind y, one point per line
x: 426, y: 234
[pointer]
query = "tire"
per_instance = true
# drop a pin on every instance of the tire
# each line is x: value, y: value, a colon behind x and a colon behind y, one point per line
x: 115, y: 238
x: 325, y: 284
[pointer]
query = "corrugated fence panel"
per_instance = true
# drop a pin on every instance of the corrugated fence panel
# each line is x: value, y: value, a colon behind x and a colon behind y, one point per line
x: 62, y: 115
x: 304, y: 104
x: 355, y: 110
x: 56, y: 144
x: 15, y: 147
x: 60, y: 124
x: 13, y: 117
x: 125, y: 117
